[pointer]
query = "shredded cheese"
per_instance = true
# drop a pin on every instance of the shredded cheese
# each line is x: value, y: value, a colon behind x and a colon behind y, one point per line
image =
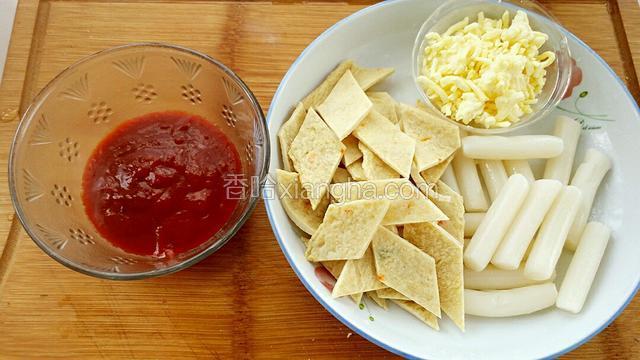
x: 486, y: 73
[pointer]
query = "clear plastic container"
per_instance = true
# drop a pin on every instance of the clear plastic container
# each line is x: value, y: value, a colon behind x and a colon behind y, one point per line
x: 83, y: 104
x: 558, y: 74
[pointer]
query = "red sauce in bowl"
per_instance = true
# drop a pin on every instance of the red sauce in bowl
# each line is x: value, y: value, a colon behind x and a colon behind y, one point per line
x: 156, y: 184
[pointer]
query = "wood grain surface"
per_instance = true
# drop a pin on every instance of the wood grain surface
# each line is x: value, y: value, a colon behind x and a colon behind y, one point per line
x: 244, y: 301
x: 629, y: 12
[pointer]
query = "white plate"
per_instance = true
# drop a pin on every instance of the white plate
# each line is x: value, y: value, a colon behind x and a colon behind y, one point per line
x: 383, y: 35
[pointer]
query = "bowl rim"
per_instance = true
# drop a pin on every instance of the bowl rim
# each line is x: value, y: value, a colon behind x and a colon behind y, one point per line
x: 562, y: 82
x: 35, y: 103
x: 292, y: 263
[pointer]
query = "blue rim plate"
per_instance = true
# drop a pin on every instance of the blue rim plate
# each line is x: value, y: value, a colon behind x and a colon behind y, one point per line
x: 382, y: 35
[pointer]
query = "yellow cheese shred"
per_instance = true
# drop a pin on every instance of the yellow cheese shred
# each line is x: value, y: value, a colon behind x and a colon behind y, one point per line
x: 486, y: 73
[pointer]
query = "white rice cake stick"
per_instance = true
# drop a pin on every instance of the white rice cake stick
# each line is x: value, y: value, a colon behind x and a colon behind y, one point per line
x: 368, y: 77
x: 345, y: 107
x: 494, y: 175
x: 471, y: 223
x: 514, y: 302
x: 436, y: 139
x: 352, y: 152
x: 407, y: 269
x: 319, y: 94
x: 559, y: 167
x: 519, y: 167
x: 588, y: 178
x: 469, y: 184
x: 346, y: 230
x: 495, y: 224
x: 407, y: 203
x: 382, y: 137
x: 374, y: 168
x: 447, y: 252
x: 449, y: 177
x: 384, y: 104
x: 512, y: 148
x: 492, y: 278
x: 515, y: 243
x: 547, y: 246
x: 297, y: 207
x: 418, y: 311
x: 315, y: 154
x: 583, y: 267
x: 288, y: 132
x: 357, y: 276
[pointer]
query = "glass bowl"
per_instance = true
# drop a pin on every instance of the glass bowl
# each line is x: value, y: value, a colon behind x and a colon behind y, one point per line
x: 558, y: 73
x: 83, y: 104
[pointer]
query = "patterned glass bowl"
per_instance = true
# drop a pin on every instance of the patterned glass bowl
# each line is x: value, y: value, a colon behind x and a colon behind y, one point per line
x: 79, y: 107
x: 558, y: 73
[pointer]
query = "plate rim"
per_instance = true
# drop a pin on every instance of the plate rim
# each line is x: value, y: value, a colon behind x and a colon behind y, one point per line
x: 329, y: 308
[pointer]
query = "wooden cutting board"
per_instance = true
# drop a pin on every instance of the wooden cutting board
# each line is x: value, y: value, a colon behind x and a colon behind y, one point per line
x: 244, y: 301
